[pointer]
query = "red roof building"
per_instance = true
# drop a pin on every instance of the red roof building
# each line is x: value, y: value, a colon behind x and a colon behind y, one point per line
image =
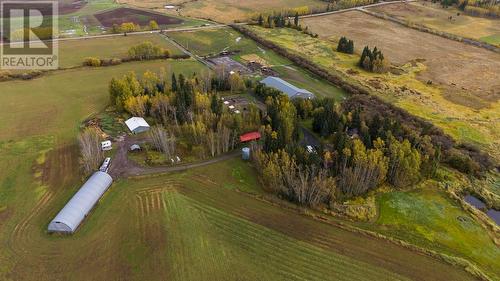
x: 252, y: 136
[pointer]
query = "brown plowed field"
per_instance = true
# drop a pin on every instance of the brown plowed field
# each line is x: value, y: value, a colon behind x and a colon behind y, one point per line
x: 457, y: 67
x: 140, y: 17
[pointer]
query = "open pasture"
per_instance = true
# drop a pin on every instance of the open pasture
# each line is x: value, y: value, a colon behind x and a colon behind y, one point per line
x: 435, y: 17
x: 140, y: 17
x: 69, y: 95
x: 111, y: 47
x: 452, y: 65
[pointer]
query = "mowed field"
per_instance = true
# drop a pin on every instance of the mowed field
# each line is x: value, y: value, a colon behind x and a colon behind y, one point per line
x: 56, y: 102
x: 178, y: 227
x: 226, y: 11
x: 111, y: 47
x: 433, y: 16
x: 212, y: 42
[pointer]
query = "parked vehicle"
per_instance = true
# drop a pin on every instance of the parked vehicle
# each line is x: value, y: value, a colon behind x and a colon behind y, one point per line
x: 105, y: 165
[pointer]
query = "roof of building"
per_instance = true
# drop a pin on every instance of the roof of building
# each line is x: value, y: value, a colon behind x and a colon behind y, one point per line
x: 136, y: 122
x: 70, y: 217
x: 287, y: 88
x: 250, y: 136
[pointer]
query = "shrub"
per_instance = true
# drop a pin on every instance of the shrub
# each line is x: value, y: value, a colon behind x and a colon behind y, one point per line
x: 462, y: 162
x: 91, y: 61
x: 147, y: 51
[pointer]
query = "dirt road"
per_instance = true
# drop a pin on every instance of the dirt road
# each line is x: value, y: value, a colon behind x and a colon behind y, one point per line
x: 123, y: 167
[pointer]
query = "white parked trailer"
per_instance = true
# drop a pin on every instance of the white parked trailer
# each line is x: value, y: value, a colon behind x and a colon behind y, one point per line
x: 79, y: 206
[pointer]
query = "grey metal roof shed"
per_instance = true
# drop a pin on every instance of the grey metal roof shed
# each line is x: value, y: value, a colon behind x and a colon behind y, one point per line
x: 287, y: 88
x: 78, y: 207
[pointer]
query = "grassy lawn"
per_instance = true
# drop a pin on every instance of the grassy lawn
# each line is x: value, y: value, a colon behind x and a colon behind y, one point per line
x: 427, y: 217
x: 464, y: 123
x: 115, y: 47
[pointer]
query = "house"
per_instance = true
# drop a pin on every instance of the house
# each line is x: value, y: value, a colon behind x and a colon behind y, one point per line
x: 288, y: 89
x: 106, y: 145
x: 252, y: 136
x: 137, y: 125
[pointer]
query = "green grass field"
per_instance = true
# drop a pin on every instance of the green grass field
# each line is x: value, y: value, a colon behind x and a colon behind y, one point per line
x: 189, y: 226
x: 63, y: 98
x: 426, y: 216
x: 114, y: 47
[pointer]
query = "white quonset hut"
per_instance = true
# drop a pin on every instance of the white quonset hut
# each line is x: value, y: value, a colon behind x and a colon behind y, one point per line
x: 70, y: 217
x: 288, y: 89
x: 137, y: 125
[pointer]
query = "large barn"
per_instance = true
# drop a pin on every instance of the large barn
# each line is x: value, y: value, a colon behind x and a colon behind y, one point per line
x: 288, y: 89
x: 75, y: 211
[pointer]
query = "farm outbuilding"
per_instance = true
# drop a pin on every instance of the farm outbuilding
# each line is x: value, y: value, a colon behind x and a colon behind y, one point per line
x: 79, y: 206
x: 288, y: 89
x: 137, y: 125
x: 248, y: 137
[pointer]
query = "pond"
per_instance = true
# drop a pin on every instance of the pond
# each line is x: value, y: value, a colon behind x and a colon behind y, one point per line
x: 477, y: 203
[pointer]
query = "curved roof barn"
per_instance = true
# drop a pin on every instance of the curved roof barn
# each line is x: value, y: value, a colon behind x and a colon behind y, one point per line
x: 70, y: 217
x: 288, y: 89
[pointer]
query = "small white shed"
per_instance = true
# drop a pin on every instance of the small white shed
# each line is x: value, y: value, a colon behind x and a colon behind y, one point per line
x: 137, y: 125
x: 106, y: 145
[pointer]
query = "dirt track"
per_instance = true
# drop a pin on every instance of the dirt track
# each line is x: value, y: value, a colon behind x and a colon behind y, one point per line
x: 122, y: 167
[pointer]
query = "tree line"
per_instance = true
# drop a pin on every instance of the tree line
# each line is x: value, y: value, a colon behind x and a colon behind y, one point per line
x: 142, y: 51
x: 360, y: 150
x: 133, y: 27
x: 283, y: 20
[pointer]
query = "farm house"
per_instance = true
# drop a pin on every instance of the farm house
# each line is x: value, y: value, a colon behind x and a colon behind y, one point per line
x: 290, y: 90
x: 137, y: 125
x: 78, y: 207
